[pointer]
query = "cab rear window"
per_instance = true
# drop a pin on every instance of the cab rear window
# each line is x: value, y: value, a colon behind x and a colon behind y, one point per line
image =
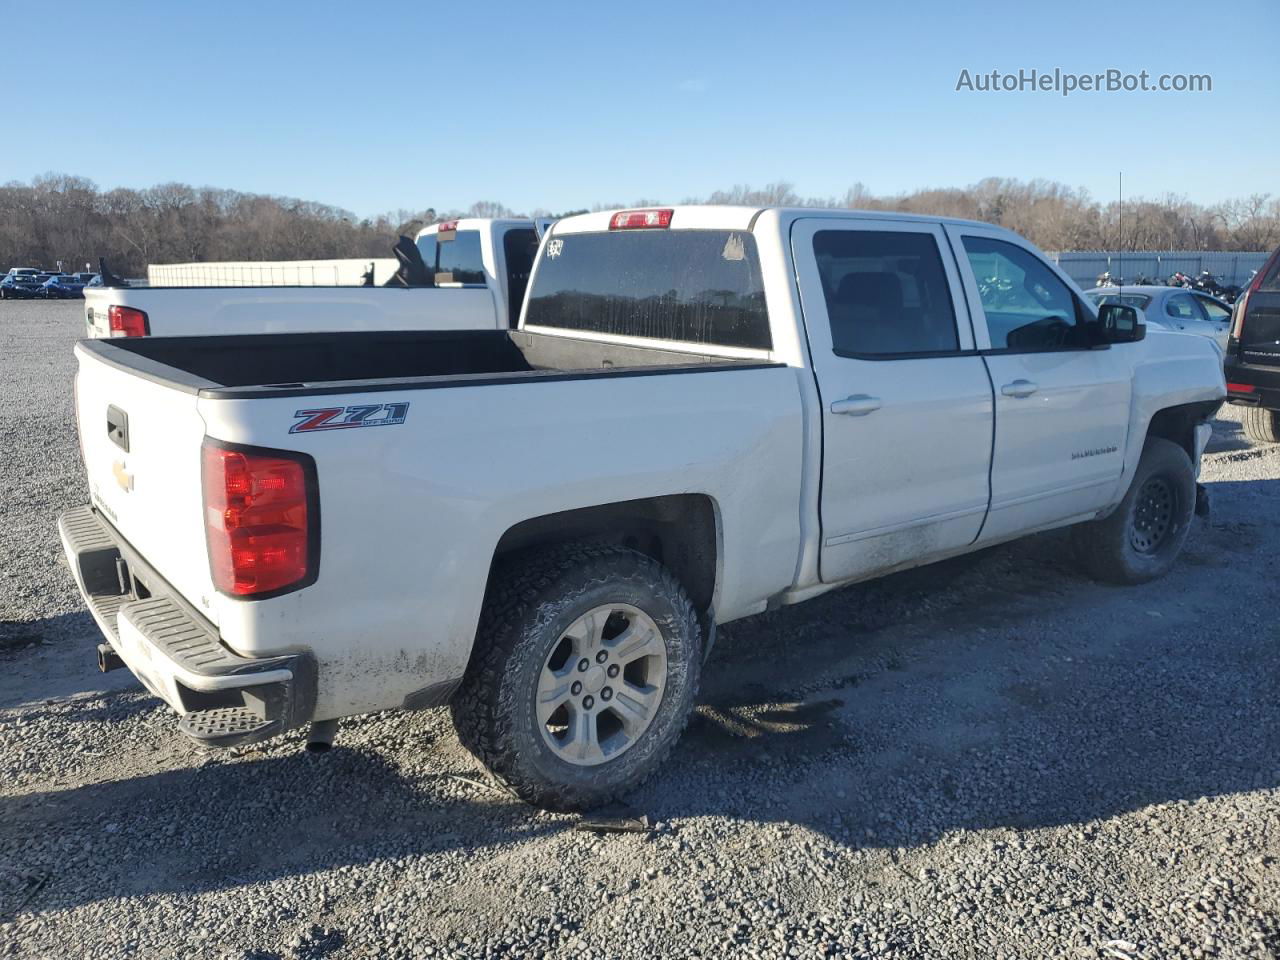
x: 457, y: 259
x: 698, y: 286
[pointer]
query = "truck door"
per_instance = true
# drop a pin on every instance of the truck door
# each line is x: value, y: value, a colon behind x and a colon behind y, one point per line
x: 1062, y: 407
x: 907, y: 404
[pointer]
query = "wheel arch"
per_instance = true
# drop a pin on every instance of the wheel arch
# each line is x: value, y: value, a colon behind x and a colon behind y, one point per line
x: 680, y: 531
x: 1178, y: 423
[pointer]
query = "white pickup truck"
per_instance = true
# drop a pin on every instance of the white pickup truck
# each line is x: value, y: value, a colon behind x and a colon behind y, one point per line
x: 705, y: 413
x: 473, y: 278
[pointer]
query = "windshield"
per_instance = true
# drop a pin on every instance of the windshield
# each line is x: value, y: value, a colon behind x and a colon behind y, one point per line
x: 699, y: 286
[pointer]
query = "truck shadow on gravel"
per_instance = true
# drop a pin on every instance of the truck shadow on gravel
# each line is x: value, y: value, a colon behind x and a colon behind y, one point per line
x: 1002, y: 689
x: 233, y: 823
x: 999, y: 690
x: 1228, y: 435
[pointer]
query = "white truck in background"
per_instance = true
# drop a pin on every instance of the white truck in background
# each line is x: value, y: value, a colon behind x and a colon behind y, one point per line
x: 705, y: 413
x: 472, y: 276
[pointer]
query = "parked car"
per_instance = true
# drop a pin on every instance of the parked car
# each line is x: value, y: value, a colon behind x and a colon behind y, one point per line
x: 1173, y: 308
x: 62, y: 287
x: 467, y: 274
x: 1253, y: 354
x: 543, y: 526
x: 20, y: 283
x: 85, y: 278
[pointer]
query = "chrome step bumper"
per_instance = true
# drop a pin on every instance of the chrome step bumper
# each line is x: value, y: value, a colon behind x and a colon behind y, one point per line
x: 224, y: 698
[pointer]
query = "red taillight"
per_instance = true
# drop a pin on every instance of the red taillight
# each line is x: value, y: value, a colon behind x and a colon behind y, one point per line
x: 1242, y: 305
x: 640, y: 220
x: 448, y: 226
x: 127, y: 322
x: 1240, y: 388
x: 260, y: 520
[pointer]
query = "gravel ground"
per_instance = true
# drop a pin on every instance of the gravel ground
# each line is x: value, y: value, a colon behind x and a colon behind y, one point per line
x: 991, y: 757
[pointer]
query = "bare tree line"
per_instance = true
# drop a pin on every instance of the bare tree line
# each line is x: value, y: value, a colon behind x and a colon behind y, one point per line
x: 1058, y: 217
x: 62, y: 217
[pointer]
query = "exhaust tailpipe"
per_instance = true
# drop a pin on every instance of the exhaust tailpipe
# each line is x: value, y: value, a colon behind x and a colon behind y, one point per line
x: 320, y: 737
x: 108, y: 659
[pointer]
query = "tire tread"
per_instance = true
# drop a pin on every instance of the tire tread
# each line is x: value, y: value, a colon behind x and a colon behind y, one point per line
x: 517, y: 584
x: 1101, y: 545
x: 1260, y: 424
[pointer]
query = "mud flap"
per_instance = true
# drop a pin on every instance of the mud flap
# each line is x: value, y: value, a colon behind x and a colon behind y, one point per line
x: 1202, y: 501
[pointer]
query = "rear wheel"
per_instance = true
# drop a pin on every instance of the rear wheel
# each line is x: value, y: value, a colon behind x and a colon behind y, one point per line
x: 585, y: 671
x: 1142, y: 538
x: 1260, y: 424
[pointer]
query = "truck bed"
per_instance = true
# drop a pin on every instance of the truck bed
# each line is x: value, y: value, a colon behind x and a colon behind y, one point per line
x: 273, y: 365
x: 237, y: 311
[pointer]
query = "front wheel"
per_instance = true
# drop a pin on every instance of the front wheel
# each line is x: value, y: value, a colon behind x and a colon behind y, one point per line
x: 585, y: 672
x: 1142, y: 538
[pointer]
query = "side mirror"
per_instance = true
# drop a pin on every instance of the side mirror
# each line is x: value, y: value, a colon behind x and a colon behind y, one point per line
x: 1118, y: 323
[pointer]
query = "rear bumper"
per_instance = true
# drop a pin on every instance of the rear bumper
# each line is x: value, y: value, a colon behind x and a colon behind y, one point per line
x: 1263, y: 383
x: 225, y: 698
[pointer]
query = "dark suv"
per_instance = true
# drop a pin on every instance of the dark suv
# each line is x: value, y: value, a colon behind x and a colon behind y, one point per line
x: 1253, y: 354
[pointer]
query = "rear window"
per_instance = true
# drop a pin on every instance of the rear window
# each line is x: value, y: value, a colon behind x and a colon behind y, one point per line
x: 1124, y: 299
x: 1271, y: 276
x: 453, y: 261
x: 699, y: 286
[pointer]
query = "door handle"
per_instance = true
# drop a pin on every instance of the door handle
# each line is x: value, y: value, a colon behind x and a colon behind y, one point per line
x: 859, y: 405
x: 1019, y: 388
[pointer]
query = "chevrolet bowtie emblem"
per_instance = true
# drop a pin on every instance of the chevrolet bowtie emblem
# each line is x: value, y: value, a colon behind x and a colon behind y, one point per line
x: 123, y: 476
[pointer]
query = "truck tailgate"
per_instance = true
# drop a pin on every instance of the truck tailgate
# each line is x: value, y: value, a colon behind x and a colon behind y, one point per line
x: 141, y: 440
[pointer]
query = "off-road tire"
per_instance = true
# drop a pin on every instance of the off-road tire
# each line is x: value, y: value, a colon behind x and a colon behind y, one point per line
x: 1260, y: 424
x: 532, y: 599
x: 1105, y: 547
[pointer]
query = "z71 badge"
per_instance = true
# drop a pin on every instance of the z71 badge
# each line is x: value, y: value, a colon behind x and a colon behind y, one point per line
x: 342, y: 418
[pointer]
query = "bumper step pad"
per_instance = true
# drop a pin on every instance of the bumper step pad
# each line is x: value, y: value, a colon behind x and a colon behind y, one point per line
x: 228, y: 726
x: 224, y: 698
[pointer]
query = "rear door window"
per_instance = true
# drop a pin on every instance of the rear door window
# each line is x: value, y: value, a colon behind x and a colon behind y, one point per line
x: 1181, y: 306
x: 698, y: 286
x: 887, y: 293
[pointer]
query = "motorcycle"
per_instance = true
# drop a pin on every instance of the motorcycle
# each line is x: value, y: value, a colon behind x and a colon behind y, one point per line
x: 1208, y: 283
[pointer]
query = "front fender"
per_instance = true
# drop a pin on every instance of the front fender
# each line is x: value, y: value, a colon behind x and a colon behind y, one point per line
x: 1171, y: 370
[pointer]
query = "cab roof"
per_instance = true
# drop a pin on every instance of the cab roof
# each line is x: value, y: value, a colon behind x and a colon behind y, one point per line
x: 717, y: 217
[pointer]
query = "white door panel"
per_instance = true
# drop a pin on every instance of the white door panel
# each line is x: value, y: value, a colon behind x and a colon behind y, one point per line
x: 906, y: 439
x: 1059, y: 450
x: 1061, y: 414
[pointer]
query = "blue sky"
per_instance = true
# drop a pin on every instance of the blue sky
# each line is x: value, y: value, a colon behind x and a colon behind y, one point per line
x: 378, y: 106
